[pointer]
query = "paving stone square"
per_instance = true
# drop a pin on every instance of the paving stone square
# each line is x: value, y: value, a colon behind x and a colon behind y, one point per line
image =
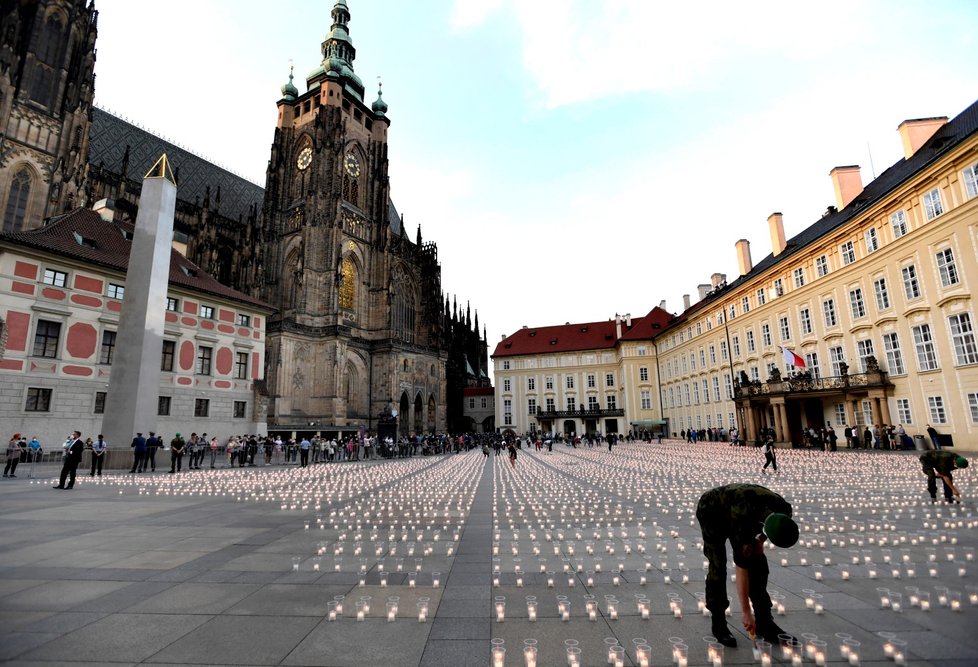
x: 337, y: 564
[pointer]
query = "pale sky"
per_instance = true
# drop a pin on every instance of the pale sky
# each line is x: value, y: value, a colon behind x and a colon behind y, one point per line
x: 572, y: 159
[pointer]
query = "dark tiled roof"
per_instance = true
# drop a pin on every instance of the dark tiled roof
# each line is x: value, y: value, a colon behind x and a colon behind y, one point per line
x: 477, y: 391
x: 105, y: 245
x: 574, y: 337
x: 110, y: 135
x: 963, y: 126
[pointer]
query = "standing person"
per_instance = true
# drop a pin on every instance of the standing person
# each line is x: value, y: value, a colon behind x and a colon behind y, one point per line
x: 214, y: 446
x: 15, y: 447
x: 934, y: 440
x: 847, y: 433
x: 512, y: 454
x: 98, y: 455
x: 940, y: 464
x: 769, y: 458
x: 153, y: 443
x: 73, y: 456
x: 832, y: 438
x: 138, y: 453
x: 746, y: 515
x: 177, y: 445
x: 867, y: 438
x: 304, y: 446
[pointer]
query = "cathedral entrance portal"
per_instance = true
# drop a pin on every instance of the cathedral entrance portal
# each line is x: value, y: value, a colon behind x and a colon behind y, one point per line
x: 418, y: 414
x: 404, y: 416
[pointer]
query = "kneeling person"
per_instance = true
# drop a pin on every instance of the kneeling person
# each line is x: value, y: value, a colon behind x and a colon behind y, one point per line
x: 746, y: 515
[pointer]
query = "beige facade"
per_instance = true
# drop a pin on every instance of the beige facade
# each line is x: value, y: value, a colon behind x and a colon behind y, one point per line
x: 886, y: 276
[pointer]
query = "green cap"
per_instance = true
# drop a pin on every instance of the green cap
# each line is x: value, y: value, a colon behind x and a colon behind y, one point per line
x: 960, y: 462
x: 178, y: 434
x: 781, y: 530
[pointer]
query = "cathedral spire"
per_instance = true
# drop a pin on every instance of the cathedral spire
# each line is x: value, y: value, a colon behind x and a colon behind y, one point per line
x: 289, y: 91
x: 338, y: 52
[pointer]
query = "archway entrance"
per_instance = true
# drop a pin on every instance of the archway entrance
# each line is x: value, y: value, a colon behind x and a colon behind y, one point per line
x: 403, y: 419
x: 418, y: 414
x: 570, y: 427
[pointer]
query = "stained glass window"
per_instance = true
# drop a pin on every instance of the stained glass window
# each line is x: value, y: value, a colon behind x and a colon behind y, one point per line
x: 348, y: 287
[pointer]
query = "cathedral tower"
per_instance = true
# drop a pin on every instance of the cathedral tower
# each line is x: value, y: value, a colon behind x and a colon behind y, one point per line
x: 47, y: 80
x: 359, y: 328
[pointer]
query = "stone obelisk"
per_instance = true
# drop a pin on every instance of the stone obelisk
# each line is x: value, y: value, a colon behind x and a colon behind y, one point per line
x: 134, y: 383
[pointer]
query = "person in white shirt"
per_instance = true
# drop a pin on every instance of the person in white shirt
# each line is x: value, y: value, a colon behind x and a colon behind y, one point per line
x: 99, y: 447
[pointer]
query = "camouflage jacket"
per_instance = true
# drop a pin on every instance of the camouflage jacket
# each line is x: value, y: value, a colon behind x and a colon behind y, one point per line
x: 738, y: 511
x: 939, y: 460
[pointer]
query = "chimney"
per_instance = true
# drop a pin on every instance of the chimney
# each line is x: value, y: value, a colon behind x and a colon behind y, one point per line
x: 618, y: 327
x: 718, y: 279
x: 628, y: 320
x: 106, y: 209
x: 662, y: 304
x: 743, y: 257
x: 847, y: 184
x: 703, y: 290
x: 685, y: 302
x: 776, y: 224
x: 915, y: 133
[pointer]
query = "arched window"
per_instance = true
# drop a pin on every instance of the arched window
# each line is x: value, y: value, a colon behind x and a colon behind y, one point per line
x: 49, y: 46
x: 20, y: 191
x: 348, y: 284
x: 353, y: 406
x: 403, y: 315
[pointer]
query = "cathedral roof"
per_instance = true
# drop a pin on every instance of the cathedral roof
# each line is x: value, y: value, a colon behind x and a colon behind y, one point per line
x: 577, y: 337
x: 83, y: 235
x: 110, y: 135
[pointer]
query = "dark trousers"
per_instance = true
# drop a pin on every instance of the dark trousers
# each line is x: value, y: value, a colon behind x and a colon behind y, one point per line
x: 176, y: 462
x: 12, y: 461
x: 715, y: 549
x: 150, y: 458
x: 932, y: 487
x: 304, y: 457
x: 97, y: 462
x: 769, y: 460
x: 138, y: 460
x: 69, y: 469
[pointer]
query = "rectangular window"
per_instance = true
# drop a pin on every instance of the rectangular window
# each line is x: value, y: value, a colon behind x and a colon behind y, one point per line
x: 811, y: 363
x: 609, y: 380
x: 241, y: 366
x: 946, y: 268
x: 728, y: 387
x: 471, y: 404
x: 933, y: 206
x: 485, y: 402
x: 937, y: 413
x: 643, y: 374
x: 856, y: 305
x: 766, y: 335
x: 696, y: 393
x: 750, y: 342
x: 882, y: 294
x: 571, y: 403
x: 108, y: 348
x: 923, y: 342
x: 903, y: 411
x: 840, y: 413
x: 548, y: 382
x: 646, y: 398
x: 706, y: 391
x: 755, y: 374
x: 713, y: 354
x: 865, y: 350
x: 531, y: 384
x: 642, y: 351
x: 838, y: 357
x: 46, y: 338
x: 116, y: 291
x: 169, y: 350
x: 735, y: 341
x: 784, y: 329
x: 570, y: 381
x: 239, y: 409
x: 507, y: 385
x: 99, y: 407
x: 973, y: 407
x: 866, y: 415
x: 911, y: 286
x: 971, y: 183
x: 702, y: 359
x: 592, y: 402
x: 894, y: 356
x: 202, y: 407
x: 799, y: 275
x: 610, y: 401
x: 244, y: 320
x: 963, y: 339
x: 207, y: 312
x: 745, y: 304
x: 761, y: 297
x: 38, y: 400
x: 163, y: 406
x: 848, y: 253
x: 899, y: 222
x: 723, y: 350
x: 55, y: 278
x: 716, y: 388
x: 204, y: 355
x: 822, y: 266
x: 872, y: 240
x: 551, y: 405
x: 805, y: 320
x: 778, y: 287
x: 770, y: 368
x: 531, y: 406
x: 506, y: 365
x: 689, y: 400
x: 828, y: 311
x: 591, y: 381
x: 173, y: 305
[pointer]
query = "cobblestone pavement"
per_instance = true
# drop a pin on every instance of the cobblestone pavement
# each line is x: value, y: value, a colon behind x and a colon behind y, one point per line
x: 445, y: 558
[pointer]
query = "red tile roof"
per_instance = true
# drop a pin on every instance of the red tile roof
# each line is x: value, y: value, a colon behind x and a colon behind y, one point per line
x: 584, y: 336
x: 477, y: 391
x: 106, y: 245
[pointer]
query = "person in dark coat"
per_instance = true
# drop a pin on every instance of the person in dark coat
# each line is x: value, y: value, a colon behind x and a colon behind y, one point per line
x: 747, y: 515
x: 138, y: 453
x: 73, y: 456
x: 940, y: 463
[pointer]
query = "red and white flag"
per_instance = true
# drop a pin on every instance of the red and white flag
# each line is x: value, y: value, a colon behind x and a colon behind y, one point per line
x: 792, y: 359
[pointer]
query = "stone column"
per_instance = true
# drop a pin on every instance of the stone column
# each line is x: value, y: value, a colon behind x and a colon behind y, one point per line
x: 134, y: 383
x: 778, y: 423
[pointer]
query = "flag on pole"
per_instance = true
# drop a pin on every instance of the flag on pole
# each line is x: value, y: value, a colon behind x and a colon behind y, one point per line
x: 792, y: 359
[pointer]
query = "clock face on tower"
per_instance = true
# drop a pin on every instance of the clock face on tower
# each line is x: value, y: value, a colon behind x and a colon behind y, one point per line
x: 305, y: 158
x: 352, y: 165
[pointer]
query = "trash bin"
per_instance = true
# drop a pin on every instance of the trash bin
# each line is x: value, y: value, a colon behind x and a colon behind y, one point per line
x: 920, y: 443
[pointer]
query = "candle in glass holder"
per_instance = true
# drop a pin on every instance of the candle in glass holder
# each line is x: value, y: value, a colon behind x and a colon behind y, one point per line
x: 550, y: 579
x: 331, y: 607
x: 498, y: 656
x: 422, y: 611
x: 896, y: 601
x: 391, y: 612
x: 500, y: 609
x: 899, y: 651
x: 591, y: 607
x: 361, y: 610
x: 296, y: 560
x: 531, y: 610
x: 954, y: 600
x: 530, y: 656
x: 818, y: 606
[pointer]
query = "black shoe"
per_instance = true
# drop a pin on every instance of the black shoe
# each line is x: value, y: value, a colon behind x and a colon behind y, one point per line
x: 12, y: 475
x: 57, y: 487
x: 722, y: 632
x: 769, y: 630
